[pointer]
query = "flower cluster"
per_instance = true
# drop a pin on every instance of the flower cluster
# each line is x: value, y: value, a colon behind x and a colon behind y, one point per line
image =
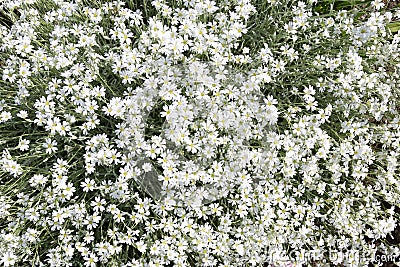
x: 198, y: 133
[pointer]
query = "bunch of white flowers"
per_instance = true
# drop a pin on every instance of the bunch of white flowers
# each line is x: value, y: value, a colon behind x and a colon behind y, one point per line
x: 198, y: 133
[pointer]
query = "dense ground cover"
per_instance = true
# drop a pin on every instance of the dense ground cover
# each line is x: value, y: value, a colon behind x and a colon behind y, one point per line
x: 199, y: 133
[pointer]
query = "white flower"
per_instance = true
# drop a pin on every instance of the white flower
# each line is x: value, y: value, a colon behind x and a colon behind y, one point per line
x: 9, y: 258
x: 23, y: 114
x: 147, y: 167
x: 23, y: 144
x: 88, y: 185
x: 38, y: 179
x: 98, y: 204
x: 378, y: 4
x: 90, y: 260
x: 5, y: 116
x: 141, y: 246
x: 50, y: 146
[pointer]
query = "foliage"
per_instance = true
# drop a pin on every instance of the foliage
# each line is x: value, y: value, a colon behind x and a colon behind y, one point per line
x: 199, y: 133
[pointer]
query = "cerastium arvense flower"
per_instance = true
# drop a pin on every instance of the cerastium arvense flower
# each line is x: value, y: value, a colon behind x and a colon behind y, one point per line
x: 198, y: 133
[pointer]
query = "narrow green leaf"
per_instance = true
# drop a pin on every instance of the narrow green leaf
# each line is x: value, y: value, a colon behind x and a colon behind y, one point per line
x: 394, y: 27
